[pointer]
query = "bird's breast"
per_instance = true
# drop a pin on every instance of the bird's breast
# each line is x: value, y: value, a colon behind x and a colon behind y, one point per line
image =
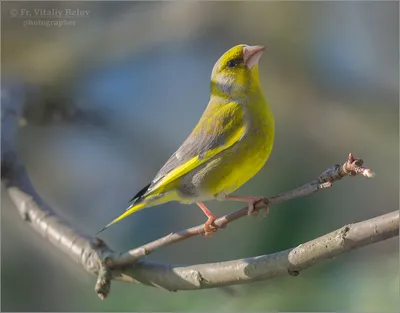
x: 233, y: 167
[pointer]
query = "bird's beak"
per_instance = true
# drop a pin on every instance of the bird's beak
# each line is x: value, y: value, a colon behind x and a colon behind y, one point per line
x: 251, y: 55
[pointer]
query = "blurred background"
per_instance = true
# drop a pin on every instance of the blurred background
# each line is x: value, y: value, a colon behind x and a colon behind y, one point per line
x: 111, y: 93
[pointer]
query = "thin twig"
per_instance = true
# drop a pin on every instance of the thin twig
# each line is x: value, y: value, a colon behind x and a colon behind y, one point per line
x: 351, y: 167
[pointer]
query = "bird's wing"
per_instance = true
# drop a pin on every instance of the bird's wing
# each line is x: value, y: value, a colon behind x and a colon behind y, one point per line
x: 220, y: 127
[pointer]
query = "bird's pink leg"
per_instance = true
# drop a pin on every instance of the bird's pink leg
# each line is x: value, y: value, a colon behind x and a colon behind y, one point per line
x: 250, y: 201
x: 208, y: 226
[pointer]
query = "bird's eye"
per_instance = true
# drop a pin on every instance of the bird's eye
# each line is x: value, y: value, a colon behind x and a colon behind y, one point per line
x: 231, y: 63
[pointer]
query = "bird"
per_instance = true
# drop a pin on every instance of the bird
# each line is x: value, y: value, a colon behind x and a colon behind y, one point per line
x: 231, y: 142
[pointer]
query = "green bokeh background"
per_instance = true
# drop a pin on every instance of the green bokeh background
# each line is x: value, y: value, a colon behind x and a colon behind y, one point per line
x: 109, y: 99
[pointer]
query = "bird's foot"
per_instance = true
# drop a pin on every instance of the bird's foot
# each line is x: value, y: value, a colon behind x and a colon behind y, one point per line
x: 209, y: 227
x: 252, y: 212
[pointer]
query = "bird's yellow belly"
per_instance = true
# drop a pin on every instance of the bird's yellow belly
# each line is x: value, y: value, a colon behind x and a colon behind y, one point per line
x: 232, y: 168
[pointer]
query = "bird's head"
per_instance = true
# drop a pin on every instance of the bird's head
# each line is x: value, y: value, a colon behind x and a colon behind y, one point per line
x: 236, y: 71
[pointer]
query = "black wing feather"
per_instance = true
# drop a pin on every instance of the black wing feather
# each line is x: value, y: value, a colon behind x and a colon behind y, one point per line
x: 140, y: 193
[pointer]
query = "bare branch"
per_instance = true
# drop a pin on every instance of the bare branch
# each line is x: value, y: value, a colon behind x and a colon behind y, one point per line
x: 351, y: 167
x: 288, y: 262
x: 97, y: 258
x: 93, y: 255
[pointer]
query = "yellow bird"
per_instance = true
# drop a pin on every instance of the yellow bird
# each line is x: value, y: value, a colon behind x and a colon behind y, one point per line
x: 229, y: 145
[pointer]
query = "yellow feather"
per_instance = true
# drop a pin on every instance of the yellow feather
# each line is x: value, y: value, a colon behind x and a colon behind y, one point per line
x: 129, y: 211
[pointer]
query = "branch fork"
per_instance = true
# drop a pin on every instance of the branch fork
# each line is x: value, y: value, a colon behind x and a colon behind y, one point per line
x: 97, y: 258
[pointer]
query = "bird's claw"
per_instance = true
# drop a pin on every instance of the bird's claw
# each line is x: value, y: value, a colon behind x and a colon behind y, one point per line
x: 252, y: 212
x: 209, y: 227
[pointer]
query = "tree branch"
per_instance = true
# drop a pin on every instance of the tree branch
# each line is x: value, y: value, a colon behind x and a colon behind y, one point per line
x: 351, y: 167
x: 290, y: 261
x: 97, y: 258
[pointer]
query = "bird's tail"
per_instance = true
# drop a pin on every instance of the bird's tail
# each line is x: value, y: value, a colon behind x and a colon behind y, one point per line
x: 132, y: 209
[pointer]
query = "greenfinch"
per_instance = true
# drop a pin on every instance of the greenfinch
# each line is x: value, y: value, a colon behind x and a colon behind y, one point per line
x: 231, y: 142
